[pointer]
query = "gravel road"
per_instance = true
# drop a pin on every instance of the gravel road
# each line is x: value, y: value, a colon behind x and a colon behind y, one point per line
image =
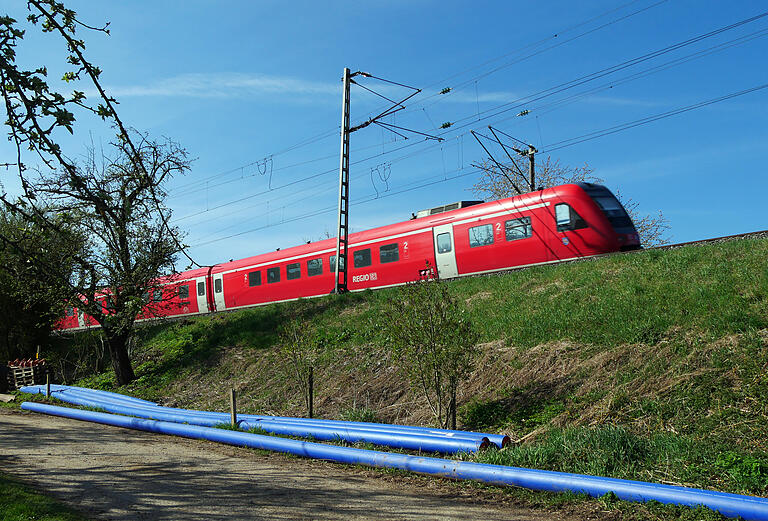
x: 119, y: 474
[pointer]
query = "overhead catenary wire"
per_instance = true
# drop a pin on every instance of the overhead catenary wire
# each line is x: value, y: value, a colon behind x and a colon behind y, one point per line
x: 332, y: 208
x: 649, y: 119
x: 521, y: 101
x: 334, y: 132
x: 548, y: 148
x: 543, y: 94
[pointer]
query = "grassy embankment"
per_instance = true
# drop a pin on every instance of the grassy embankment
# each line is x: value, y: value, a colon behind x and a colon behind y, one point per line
x: 647, y: 366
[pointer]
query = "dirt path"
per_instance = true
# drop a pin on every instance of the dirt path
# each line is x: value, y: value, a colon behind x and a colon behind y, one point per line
x: 119, y: 474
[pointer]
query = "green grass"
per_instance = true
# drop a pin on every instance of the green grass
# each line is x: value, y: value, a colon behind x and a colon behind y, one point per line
x: 619, y: 453
x: 644, y: 366
x: 21, y: 502
x: 359, y: 414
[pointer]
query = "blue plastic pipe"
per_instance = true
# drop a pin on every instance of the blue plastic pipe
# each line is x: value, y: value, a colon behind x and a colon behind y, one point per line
x: 730, y: 505
x: 107, y: 395
x: 411, y: 441
x: 100, y: 399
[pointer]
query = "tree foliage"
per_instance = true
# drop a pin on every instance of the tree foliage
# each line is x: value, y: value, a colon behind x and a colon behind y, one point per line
x: 496, y: 184
x: 115, y: 201
x: 434, y: 341
x: 28, y: 302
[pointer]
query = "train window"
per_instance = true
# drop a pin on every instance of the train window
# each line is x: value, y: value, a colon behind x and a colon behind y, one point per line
x: 293, y: 271
x: 201, y: 288
x: 443, y: 242
x: 146, y: 296
x: 157, y: 295
x: 273, y: 275
x: 481, y: 235
x: 70, y: 311
x: 314, y: 267
x: 333, y: 264
x: 184, y: 292
x: 567, y: 218
x: 389, y: 253
x: 612, y: 209
x: 217, y: 285
x: 361, y: 258
x: 254, y: 279
x: 518, y: 228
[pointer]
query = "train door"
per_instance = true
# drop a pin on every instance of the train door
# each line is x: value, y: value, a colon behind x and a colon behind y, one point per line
x: 80, y: 319
x: 202, y: 299
x: 445, y: 251
x: 218, y: 292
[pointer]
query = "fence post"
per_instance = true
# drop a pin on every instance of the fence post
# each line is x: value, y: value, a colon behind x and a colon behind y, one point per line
x: 233, y: 407
x: 47, y: 384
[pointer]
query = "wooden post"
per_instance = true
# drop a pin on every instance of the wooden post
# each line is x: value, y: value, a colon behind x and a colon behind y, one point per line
x: 311, y: 392
x: 47, y: 384
x: 233, y: 407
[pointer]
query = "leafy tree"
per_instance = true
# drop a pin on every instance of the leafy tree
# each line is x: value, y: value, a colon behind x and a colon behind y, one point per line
x: 495, y: 184
x: 434, y: 341
x: 129, y: 245
x: 28, y: 302
x: 117, y: 202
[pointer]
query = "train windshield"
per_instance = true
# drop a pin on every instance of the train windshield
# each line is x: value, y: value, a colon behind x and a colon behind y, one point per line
x: 613, y: 210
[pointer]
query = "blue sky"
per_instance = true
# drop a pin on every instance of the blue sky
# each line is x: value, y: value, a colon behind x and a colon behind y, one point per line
x: 240, y: 84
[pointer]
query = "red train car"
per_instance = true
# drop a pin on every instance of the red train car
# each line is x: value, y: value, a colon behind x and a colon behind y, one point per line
x: 550, y: 225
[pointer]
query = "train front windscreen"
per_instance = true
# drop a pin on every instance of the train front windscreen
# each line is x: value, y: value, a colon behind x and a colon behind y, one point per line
x: 616, y: 214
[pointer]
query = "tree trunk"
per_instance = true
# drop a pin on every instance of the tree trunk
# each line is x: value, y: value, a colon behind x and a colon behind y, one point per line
x: 118, y: 350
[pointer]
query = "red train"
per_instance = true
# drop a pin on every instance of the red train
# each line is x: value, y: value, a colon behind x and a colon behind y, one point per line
x: 550, y: 225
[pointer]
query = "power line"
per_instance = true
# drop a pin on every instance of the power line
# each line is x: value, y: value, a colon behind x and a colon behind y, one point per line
x: 649, y: 119
x: 554, y: 105
x: 520, y: 102
x: 330, y: 133
x: 544, y: 94
x: 332, y: 208
x: 551, y: 147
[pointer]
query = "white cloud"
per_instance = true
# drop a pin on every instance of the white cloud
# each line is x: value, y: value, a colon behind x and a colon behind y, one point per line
x: 226, y: 85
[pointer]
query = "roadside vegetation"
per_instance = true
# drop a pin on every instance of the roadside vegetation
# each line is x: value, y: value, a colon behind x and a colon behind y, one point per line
x: 21, y: 502
x: 646, y: 366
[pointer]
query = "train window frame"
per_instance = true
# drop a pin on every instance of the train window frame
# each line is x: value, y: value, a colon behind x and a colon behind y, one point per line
x: 315, y: 267
x: 293, y: 271
x: 362, y: 258
x: 441, y: 248
x: 273, y: 275
x: 332, y: 263
x: 201, y: 289
x: 389, y: 254
x: 254, y: 278
x: 516, y: 224
x: 575, y: 221
x: 475, y: 240
x: 183, y: 292
x: 218, y: 285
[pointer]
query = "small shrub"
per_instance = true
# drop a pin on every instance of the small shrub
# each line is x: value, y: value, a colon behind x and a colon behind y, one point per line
x: 359, y: 414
